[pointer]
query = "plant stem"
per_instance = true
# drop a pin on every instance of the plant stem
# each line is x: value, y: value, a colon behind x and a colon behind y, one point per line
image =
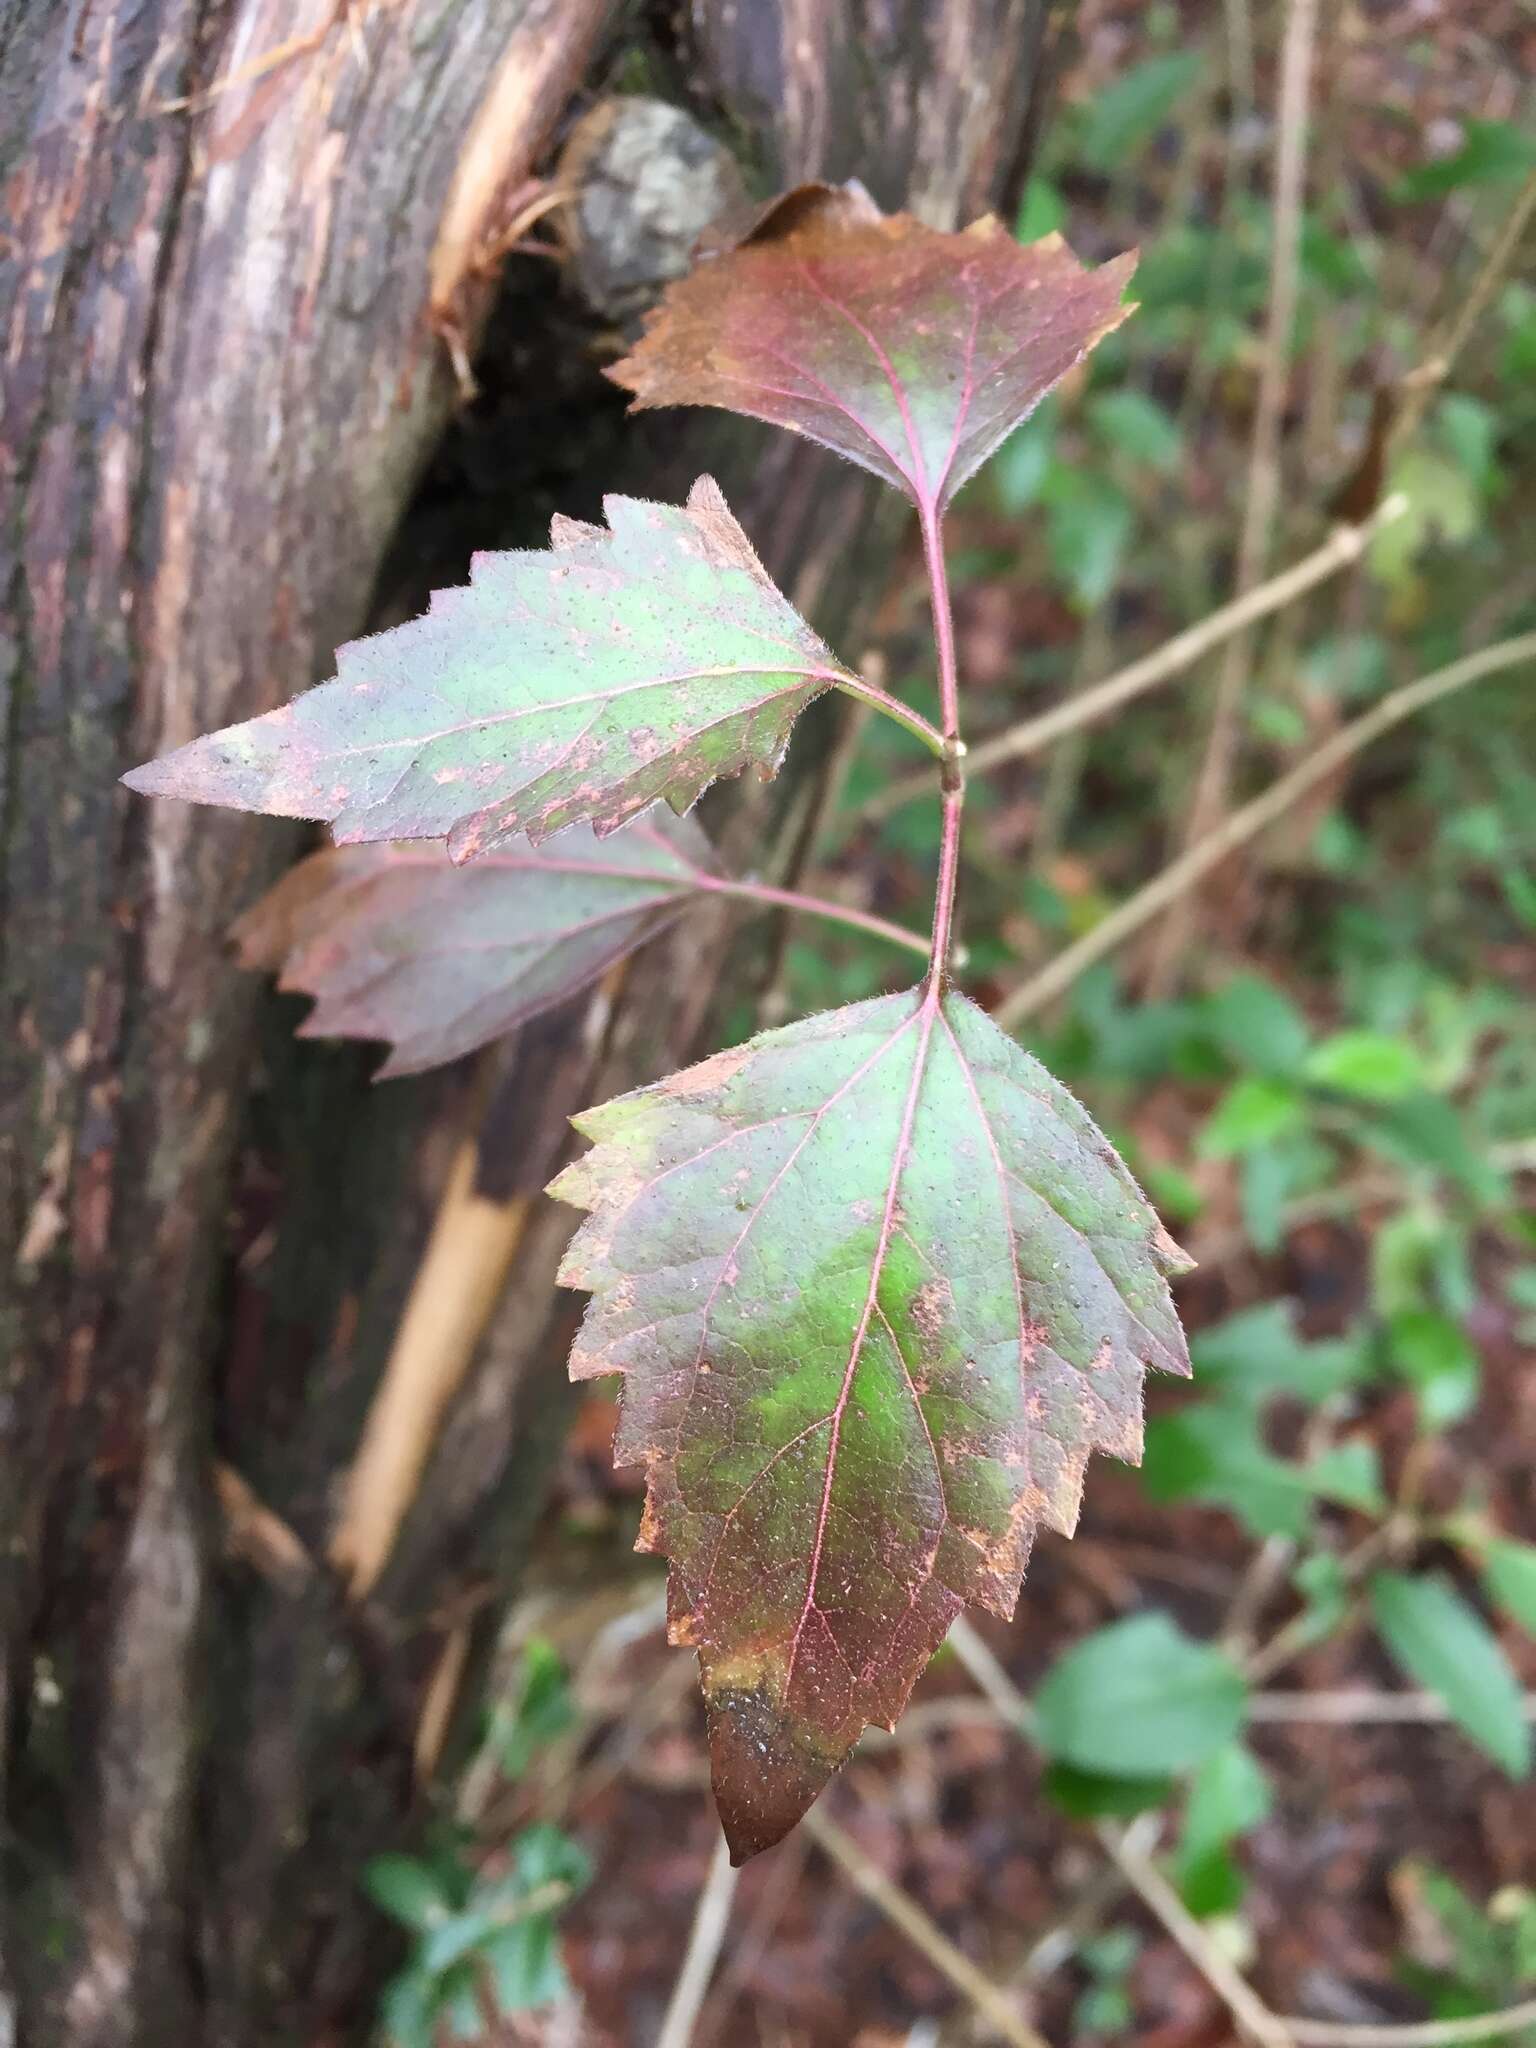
x: 1345, y: 545
x: 709, y: 1924
x: 952, y: 756
x: 914, y: 721
x: 1058, y: 975
x: 814, y: 906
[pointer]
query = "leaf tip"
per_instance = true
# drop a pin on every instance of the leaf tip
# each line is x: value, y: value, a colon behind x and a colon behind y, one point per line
x: 765, y: 1771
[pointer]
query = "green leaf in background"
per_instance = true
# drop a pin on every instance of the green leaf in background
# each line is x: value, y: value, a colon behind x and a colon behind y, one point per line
x: 1091, y: 1795
x: 408, y: 1891
x: 1133, y: 425
x: 1443, y: 504
x: 1020, y: 466
x: 1321, y: 1582
x: 1041, y: 212
x: 1257, y: 1027
x: 1254, y: 1111
x: 1089, y: 522
x: 1509, y: 1574
x: 1139, y: 1699
x: 1349, y: 1474
x: 1125, y: 117
x: 542, y: 1709
x: 1470, y: 430
x: 1228, y: 1795
x: 1446, y: 1646
x: 1213, y: 1451
x: 1259, y: 1353
x: 408, y: 2011
x: 1439, y: 1361
x: 1426, y: 1130
x: 1491, y: 153
x: 1369, y: 1064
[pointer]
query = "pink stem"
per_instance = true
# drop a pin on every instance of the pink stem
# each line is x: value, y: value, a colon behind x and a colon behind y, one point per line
x: 914, y: 721
x: 814, y: 906
x: 954, y: 777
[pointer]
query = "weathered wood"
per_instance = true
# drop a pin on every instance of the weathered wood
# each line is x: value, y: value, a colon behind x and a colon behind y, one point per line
x: 219, y: 387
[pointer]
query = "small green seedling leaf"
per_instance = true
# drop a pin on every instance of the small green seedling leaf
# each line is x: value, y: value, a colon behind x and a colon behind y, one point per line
x: 1135, y: 426
x: 1439, y: 1360
x: 396, y: 943
x: 1369, y: 1064
x: 1509, y: 1573
x: 630, y: 662
x: 1124, y: 118
x: 408, y: 1891
x: 1092, y: 1795
x: 1491, y: 153
x: 1445, y: 1645
x: 877, y: 1286
x: 1228, y: 1795
x: 1139, y: 1698
x: 912, y: 352
x: 1254, y: 1112
x: 1258, y: 1028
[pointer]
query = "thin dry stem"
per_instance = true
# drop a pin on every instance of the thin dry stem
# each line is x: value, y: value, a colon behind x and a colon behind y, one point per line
x: 1089, y: 707
x: 1263, y: 492
x: 1437, y: 366
x: 929, y: 1940
x: 1191, y: 867
x: 710, y: 1918
x: 1481, y: 2026
x: 1253, y: 2016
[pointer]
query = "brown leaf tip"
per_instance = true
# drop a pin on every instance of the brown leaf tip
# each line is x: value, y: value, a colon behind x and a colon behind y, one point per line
x: 765, y: 1771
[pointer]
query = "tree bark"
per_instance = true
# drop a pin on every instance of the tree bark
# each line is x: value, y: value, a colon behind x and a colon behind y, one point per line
x: 221, y: 384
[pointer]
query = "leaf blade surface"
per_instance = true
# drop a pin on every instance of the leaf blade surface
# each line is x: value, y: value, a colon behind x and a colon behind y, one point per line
x: 395, y: 943
x: 631, y: 662
x: 877, y: 1286
x: 912, y: 352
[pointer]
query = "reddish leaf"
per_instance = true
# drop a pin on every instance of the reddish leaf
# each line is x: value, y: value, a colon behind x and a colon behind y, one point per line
x: 877, y: 1286
x: 912, y: 352
x: 631, y: 662
x: 395, y: 943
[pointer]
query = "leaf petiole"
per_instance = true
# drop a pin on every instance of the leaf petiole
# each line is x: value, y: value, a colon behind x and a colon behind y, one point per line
x: 953, y: 753
x: 815, y: 906
x: 914, y: 721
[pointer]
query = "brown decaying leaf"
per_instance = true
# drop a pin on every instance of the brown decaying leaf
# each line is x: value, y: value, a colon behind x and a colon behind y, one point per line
x: 910, y: 351
x: 396, y: 943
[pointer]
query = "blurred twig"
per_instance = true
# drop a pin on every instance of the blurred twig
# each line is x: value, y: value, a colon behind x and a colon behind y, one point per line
x: 1482, y: 2026
x: 1263, y: 492
x: 1437, y: 365
x: 1345, y: 545
x: 929, y: 1939
x: 703, y: 1951
x: 1253, y: 2016
x: 1197, y: 861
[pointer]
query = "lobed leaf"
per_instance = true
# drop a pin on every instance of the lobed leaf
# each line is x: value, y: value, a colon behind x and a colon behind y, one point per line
x: 629, y: 662
x: 912, y: 352
x: 877, y: 1286
x: 396, y: 943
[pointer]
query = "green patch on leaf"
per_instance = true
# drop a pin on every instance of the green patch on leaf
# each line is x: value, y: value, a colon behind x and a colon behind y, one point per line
x: 877, y: 1286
